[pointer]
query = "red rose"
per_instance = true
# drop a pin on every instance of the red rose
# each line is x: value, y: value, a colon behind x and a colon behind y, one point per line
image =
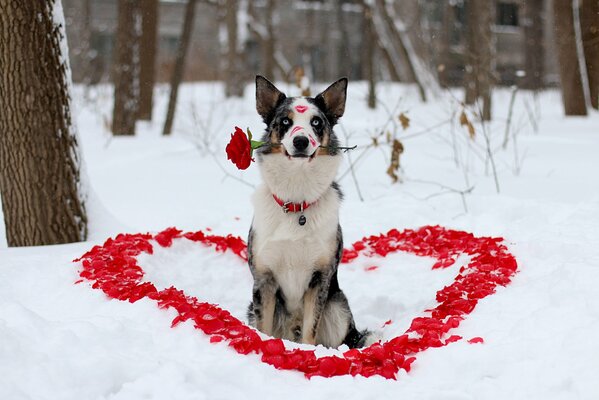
x: 240, y: 148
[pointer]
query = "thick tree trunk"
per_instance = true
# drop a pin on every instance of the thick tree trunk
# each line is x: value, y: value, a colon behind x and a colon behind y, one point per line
x: 589, y: 21
x: 391, y: 67
x: 262, y: 33
x: 471, y: 57
x: 39, y: 161
x: 569, y: 68
x: 485, y: 72
x: 344, y: 56
x: 177, y: 75
x: 398, y: 40
x: 445, y: 44
x: 479, y: 58
x: 534, y: 49
x: 368, y: 54
x: 126, y: 68
x: 149, y: 36
x: 268, y: 44
x: 234, y: 78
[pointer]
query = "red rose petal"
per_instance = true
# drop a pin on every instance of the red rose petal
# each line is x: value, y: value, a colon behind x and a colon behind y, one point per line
x: 476, y: 340
x: 113, y: 269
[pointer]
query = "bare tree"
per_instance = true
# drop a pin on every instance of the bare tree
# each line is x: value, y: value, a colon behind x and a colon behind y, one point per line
x: 268, y: 44
x: 126, y: 68
x: 445, y: 44
x: 534, y: 49
x: 39, y: 161
x: 569, y: 68
x: 387, y: 29
x: 148, y: 47
x: 264, y: 32
x: 177, y: 74
x: 368, y: 53
x: 589, y: 21
x: 479, y: 74
x: 233, y: 73
x: 344, y: 60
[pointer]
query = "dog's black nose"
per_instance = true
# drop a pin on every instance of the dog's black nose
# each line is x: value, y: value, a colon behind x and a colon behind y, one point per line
x: 300, y: 143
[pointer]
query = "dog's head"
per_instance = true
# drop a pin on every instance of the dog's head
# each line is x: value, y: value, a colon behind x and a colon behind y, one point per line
x: 298, y: 126
x: 301, y: 145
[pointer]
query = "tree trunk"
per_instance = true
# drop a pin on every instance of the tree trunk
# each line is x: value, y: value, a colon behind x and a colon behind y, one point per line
x: 534, y: 50
x: 386, y: 53
x: 485, y: 65
x: 445, y: 44
x: 368, y: 54
x: 39, y: 156
x: 344, y: 55
x: 589, y: 22
x: 268, y: 45
x: 569, y: 68
x: 398, y: 41
x: 126, y: 68
x: 234, y: 78
x: 471, y: 57
x: 479, y: 57
x: 177, y: 75
x: 149, y: 36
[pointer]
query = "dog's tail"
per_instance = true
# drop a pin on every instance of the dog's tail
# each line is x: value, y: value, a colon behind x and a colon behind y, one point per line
x: 356, y: 339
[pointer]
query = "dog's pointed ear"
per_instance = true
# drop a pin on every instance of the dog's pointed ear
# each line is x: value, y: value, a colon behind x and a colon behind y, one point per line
x: 332, y: 100
x: 267, y: 98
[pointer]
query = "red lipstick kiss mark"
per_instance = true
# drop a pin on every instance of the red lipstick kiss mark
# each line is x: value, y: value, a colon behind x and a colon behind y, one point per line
x: 312, y: 141
x: 301, y: 109
x: 297, y: 128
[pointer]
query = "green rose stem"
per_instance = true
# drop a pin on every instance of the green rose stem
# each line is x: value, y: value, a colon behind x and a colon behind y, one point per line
x: 339, y: 147
x: 256, y: 144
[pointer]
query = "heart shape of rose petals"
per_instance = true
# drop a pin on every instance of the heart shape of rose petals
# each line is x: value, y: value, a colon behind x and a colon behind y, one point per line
x: 113, y: 269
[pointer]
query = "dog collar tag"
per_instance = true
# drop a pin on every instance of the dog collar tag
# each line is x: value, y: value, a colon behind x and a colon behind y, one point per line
x: 302, y: 220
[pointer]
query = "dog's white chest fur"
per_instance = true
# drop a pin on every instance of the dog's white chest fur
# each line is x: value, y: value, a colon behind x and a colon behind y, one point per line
x: 290, y: 251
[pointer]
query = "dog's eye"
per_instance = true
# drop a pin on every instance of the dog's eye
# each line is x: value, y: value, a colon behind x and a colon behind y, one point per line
x: 316, y: 122
x: 286, y: 121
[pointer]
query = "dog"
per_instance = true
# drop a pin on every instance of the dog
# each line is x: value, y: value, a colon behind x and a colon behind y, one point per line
x: 295, y: 241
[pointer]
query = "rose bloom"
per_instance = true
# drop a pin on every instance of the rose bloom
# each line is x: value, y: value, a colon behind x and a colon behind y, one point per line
x: 239, y: 149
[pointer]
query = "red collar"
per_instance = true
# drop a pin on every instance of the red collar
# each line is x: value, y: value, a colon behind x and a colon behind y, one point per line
x: 288, y: 206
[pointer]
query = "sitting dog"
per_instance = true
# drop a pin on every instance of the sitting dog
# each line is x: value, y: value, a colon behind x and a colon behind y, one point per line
x: 295, y: 242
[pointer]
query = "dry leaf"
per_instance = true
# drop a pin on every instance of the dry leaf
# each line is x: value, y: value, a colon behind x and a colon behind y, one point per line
x: 465, y: 121
x: 405, y: 121
x: 396, y: 150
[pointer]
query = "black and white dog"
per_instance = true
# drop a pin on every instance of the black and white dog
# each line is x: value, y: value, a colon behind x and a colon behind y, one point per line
x: 295, y: 242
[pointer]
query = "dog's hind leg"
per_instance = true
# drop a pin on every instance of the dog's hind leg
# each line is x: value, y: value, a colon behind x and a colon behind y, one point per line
x: 264, y: 301
x: 336, y: 321
x: 315, y: 300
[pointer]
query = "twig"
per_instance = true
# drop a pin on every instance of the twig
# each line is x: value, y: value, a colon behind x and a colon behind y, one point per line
x: 345, y: 149
x: 427, y: 130
x: 351, y: 167
x: 355, y: 161
x: 531, y: 117
x: 227, y: 174
x: 447, y: 190
x: 488, y: 143
x: 509, y: 116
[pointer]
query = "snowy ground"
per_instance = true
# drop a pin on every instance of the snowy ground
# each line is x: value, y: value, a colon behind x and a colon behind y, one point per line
x: 64, y: 341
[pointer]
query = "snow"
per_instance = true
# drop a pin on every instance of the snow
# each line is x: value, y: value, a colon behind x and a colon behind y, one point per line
x: 64, y: 340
